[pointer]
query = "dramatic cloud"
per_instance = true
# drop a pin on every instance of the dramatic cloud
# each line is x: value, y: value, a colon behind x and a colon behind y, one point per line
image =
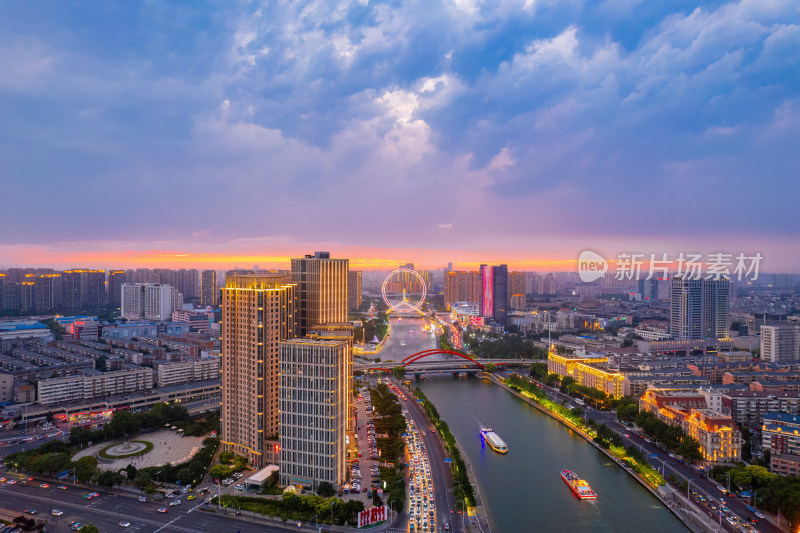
x: 526, y: 125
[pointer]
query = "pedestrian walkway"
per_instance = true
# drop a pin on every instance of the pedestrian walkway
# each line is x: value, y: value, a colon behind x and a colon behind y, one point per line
x: 168, y: 447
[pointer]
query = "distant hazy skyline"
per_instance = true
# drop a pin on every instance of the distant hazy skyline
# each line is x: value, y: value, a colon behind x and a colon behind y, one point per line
x: 224, y: 134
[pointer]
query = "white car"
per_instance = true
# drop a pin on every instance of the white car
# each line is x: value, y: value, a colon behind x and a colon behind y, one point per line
x: 176, y: 502
x: 124, y: 524
x: 56, y: 512
x: 142, y: 499
x: 239, y: 487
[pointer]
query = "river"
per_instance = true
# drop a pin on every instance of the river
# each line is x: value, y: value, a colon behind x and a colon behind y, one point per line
x: 523, y: 490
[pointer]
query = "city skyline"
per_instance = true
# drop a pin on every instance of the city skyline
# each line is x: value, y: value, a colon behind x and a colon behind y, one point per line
x: 517, y: 132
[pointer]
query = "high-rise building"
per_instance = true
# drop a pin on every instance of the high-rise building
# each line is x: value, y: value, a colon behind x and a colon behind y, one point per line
x: 549, y: 284
x: 313, y: 412
x: 686, y: 308
x: 518, y: 302
x: 47, y: 292
x: 321, y: 290
x: 208, y: 288
x: 152, y: 301
x: 486, y: 302
x: 516, y: 283
x: 354, y: 289
x: 500, y: 296
x: 716, y: 302
x: 699, y: 308
x: 115, y: 280
x: 258, y: 312
x: 780, y: 343
x: 83, y: 289
x: 188, y: 283
x: 474, y: 287
x: 456, y: 287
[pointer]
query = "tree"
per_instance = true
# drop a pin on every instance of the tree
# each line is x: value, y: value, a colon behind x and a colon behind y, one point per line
x: 89, y: 528
x: 490, y: 367
x: 226, y: 457
x: 398, y: 372
x: 325, y: 489
x: 108, y: 478
x: 219, y: 471
x: 566, y: 381
x: 85, y: 468
x: 125, y: 423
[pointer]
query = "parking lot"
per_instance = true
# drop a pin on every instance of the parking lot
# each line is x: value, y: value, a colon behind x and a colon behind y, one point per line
x: 364, y: 472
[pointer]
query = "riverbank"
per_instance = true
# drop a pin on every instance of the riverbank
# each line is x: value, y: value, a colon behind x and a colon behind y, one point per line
x: 665, y: 494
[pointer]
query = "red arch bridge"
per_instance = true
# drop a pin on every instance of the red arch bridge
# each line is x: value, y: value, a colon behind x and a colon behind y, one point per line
x: 459, y: 363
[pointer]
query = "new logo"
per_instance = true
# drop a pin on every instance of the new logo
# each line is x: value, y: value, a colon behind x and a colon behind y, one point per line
x: 591, y: 266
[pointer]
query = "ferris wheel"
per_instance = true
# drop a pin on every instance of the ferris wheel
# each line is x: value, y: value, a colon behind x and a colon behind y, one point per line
x: 390, y: 287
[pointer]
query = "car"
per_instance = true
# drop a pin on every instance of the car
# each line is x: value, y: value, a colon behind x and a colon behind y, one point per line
x: 142, y: 499
x: 95, y: 494
x: 30, y: 511
x: 76, y: 526
x: 62, y: 487
x: 170, y: 496
x: 11, y: 482
x: 176, y: 502
x: 3, y: 480
x: 162, y: 509
x: 191, y: 497
x: 721, y: 489
x: 45, y: 485
x: 239, y: 487
x: 753, y: 520
x: 760, y: 515
x: 56, y: 512
x: 88, y: 497
x: 124, y: 524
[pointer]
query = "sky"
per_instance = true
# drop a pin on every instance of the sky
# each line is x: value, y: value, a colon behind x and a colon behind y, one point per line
x: 218, y: 134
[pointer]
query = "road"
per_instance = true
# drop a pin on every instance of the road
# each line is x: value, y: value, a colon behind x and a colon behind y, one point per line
x: 409, y: 335
x: 107, y: 510
x: 661, y: 461
x: 440, y: 474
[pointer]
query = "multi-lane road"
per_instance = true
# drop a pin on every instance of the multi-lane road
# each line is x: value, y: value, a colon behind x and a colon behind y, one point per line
x: 110, y: 508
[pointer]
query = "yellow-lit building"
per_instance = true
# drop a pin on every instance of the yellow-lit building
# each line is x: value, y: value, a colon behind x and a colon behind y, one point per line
x: 587, y: 372
x: 612, y: 383
x: 258, y: 312
x: 718, y: 435
x: 564, y: 365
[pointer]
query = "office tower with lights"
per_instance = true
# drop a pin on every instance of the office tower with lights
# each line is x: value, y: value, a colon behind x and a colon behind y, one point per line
x: 486, y: 301
x: 258, y: 313
x: 208, y: 288
x: 314, y: 407
x: 321, y: 290
x: 354, y: 289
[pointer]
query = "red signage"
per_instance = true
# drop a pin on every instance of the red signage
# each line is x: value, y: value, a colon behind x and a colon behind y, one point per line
x: 373, y: 516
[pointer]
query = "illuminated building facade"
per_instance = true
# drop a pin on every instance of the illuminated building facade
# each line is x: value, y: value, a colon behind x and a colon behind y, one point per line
x: 486, y: 301
x: 780, y: 434
x: 321, y: 290
x: 587, y: 371
x: 258, y: 312
x: 516, y: 283
x: 718, y: 435
x: 354, y: 293
x: 313, y: 412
